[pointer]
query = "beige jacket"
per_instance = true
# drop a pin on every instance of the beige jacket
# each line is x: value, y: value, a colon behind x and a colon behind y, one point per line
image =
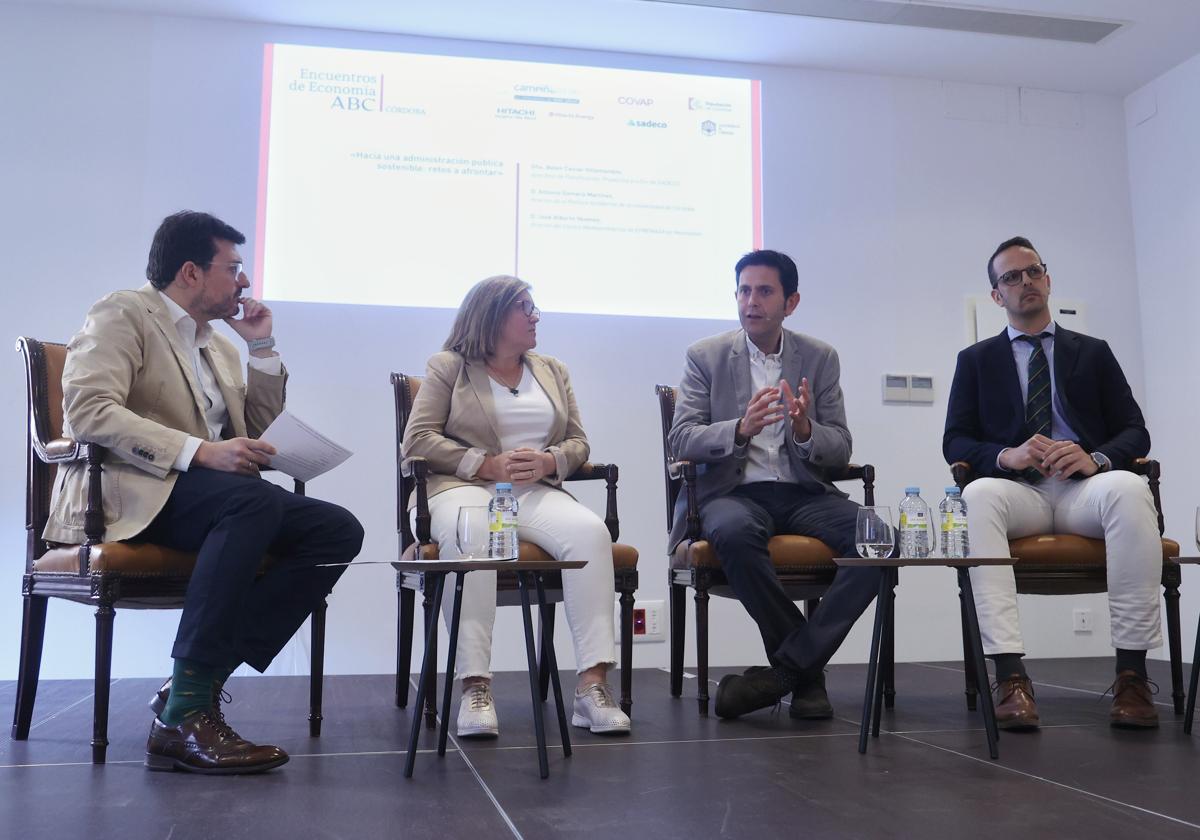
x: 453, y: 420
x: 129, y: 385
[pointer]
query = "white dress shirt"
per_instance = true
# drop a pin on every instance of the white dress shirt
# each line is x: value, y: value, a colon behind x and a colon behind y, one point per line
x: 523, y: 419
x: 216, y: 413
x: 766, y: 454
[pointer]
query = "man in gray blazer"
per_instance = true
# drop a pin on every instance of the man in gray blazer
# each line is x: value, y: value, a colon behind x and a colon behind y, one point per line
x: 763, y: 446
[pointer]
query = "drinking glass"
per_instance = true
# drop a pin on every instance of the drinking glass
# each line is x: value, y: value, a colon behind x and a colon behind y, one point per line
x: 472, y: 533
x: 873, y: 533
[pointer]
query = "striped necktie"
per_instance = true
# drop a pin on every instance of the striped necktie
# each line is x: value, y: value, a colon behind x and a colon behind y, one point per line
x: 1037, y: 403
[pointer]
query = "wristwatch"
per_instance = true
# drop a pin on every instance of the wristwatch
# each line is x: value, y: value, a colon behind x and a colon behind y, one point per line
x: 261, y: 343
x: 1101, y: 461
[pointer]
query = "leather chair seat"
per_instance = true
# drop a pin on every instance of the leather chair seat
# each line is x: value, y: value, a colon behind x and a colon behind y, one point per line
x: 624, y: 556
x: 788, y: 551
x: 141, y: 559
x: 1068, y: 550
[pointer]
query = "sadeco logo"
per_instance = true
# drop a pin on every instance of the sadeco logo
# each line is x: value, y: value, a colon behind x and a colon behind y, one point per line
x: 645, y: 124
x: 353, y: 103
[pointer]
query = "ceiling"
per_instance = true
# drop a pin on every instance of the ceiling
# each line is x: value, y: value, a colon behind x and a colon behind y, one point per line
x: 1155, y: 36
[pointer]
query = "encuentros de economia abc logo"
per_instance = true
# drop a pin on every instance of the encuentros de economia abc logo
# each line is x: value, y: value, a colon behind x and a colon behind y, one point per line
x: 349, y: 92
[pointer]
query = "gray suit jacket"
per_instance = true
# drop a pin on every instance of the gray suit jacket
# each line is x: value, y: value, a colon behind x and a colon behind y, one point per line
x: 713, y: 395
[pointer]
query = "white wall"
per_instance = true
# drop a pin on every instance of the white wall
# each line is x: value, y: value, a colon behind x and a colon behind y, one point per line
x: 1164, y: 174
x: 889, y: 207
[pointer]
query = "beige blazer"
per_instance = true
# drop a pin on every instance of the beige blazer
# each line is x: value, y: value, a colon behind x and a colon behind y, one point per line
x: 453, y: 420
x: 129, y: 385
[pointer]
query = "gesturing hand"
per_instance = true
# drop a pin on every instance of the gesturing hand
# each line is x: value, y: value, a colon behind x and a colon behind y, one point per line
x: 797, y: 408
x: 237, y: 455
x: 763, y: 410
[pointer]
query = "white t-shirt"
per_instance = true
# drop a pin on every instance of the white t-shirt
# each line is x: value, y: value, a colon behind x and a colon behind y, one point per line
x: 523, y: 419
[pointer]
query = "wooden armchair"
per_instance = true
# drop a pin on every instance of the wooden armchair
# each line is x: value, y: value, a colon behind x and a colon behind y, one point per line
x: 408, y: 583
x: 1068, y: 564
x: 804, y: 565
x: 106, y: 575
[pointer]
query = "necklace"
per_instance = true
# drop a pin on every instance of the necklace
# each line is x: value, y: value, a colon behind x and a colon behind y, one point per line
x: 511, y: 389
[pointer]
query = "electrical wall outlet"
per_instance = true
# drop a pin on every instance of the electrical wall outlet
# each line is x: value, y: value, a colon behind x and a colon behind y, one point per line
x: 1082, y: 621
x: 649, y: 621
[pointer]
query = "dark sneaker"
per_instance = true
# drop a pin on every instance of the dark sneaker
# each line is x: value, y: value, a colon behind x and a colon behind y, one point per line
x: 809, y: 700
x: 739, y: 694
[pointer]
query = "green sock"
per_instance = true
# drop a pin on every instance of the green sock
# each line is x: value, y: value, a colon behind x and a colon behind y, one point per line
x: 221, y: 675
x: 191, y: 691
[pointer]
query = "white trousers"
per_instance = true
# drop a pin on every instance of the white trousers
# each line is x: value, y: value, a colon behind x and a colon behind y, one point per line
x: 566, y: 530
x: 1116, y: 506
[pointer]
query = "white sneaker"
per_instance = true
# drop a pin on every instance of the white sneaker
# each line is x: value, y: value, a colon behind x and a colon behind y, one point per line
x: 477, y: 713
x: 596, y: 710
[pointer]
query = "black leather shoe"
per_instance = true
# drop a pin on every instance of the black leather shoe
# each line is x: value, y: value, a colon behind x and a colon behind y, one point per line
x: 739, y: 694
x: 809, y: 700
x: 204, y: 743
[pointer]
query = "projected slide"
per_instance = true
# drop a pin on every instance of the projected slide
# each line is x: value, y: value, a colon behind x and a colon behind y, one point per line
x: 400, y: 180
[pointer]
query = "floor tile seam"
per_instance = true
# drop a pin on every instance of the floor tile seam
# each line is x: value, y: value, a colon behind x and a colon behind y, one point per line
x: 67, y: 708
x: 474, y: 772
x: 612, y: 744
x: 363, y: 754
x: 1097, y: 694
x: 1048, y: 781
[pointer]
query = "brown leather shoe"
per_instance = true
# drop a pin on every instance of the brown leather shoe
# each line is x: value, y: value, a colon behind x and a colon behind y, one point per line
x: 1133, y: 704
x: 205, y: 743
x: 1015, y: 708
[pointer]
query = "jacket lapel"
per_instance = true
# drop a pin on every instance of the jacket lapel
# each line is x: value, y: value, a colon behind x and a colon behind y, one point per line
x: 545, y: 377
x: 162, y: 319
x: 1004, y: 366
x: 1066, y: 355
x: 481, y: 384
x: 234, y: 406
x: 793, y: 364
x: 739, y: 368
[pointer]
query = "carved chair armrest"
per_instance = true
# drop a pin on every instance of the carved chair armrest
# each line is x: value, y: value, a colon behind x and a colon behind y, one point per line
x: 687, y: 469
x: 609, y: 472
x: 417, y: 469
x: 60, y: 450
x: 857, y: 472
x: 1152, y: 470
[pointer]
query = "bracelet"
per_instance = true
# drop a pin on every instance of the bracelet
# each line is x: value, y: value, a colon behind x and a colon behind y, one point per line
x: 261, y: 343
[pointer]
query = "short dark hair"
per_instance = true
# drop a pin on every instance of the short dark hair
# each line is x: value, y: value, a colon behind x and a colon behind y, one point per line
x: 789, y: 277
x: 186, y: 236
x: 1015, y: 242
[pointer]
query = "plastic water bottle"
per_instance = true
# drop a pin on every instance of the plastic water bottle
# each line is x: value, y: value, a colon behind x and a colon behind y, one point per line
x: 953, y: 512
x: 502, y: 524
x: 916, y: 526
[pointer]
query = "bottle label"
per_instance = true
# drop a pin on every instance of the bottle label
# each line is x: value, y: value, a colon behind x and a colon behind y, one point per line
x: 502, y: 519
x: 954, y: 521
x: 915, y: 521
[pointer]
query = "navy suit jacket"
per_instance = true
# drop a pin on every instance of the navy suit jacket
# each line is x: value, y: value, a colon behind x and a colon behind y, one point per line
x: 985, y: 413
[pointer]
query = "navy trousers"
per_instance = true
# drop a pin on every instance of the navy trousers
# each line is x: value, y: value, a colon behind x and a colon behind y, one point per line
x: 231, y: 613
x: 739, y: 526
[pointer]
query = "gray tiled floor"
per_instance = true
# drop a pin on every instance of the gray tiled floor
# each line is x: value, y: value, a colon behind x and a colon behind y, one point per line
x: 677, y: 775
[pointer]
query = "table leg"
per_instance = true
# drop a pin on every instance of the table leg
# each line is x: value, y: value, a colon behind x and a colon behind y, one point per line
x: 887, y: 595
x: 1191, y: 698
x: 450, y: 657
x: 534, y: 688
x: 981, y: 678
x: 427, y: 662
x: 551, y: 661
x: 872, y: 667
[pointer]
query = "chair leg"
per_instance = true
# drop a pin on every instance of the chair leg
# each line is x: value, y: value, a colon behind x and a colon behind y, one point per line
x: 431, y: 673
x: 33, y: 632
x: 104, y: 639
x: 968, y: 658
x: 702, y: 647
x: 678, y: 633
x: 405, y: 617
x: 1175, y: 645
x: 546, y: 615
x: 626, y: 600
x: 316, y: 674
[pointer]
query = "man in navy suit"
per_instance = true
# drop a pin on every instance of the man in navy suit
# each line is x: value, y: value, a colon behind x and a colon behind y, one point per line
x: 1046, y: 418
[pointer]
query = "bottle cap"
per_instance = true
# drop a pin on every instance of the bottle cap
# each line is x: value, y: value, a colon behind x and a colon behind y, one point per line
x: 952, y: 491
x: 912, y: 490
x: 502, y: 486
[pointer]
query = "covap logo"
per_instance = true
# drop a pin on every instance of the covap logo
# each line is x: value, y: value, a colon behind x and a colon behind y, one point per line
x: 639, y: 101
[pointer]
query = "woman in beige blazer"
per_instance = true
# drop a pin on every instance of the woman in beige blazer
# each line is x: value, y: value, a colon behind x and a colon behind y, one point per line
x: 491, y: 410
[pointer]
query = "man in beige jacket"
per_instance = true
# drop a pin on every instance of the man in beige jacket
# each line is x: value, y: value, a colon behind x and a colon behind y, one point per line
x: 150, y: 380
